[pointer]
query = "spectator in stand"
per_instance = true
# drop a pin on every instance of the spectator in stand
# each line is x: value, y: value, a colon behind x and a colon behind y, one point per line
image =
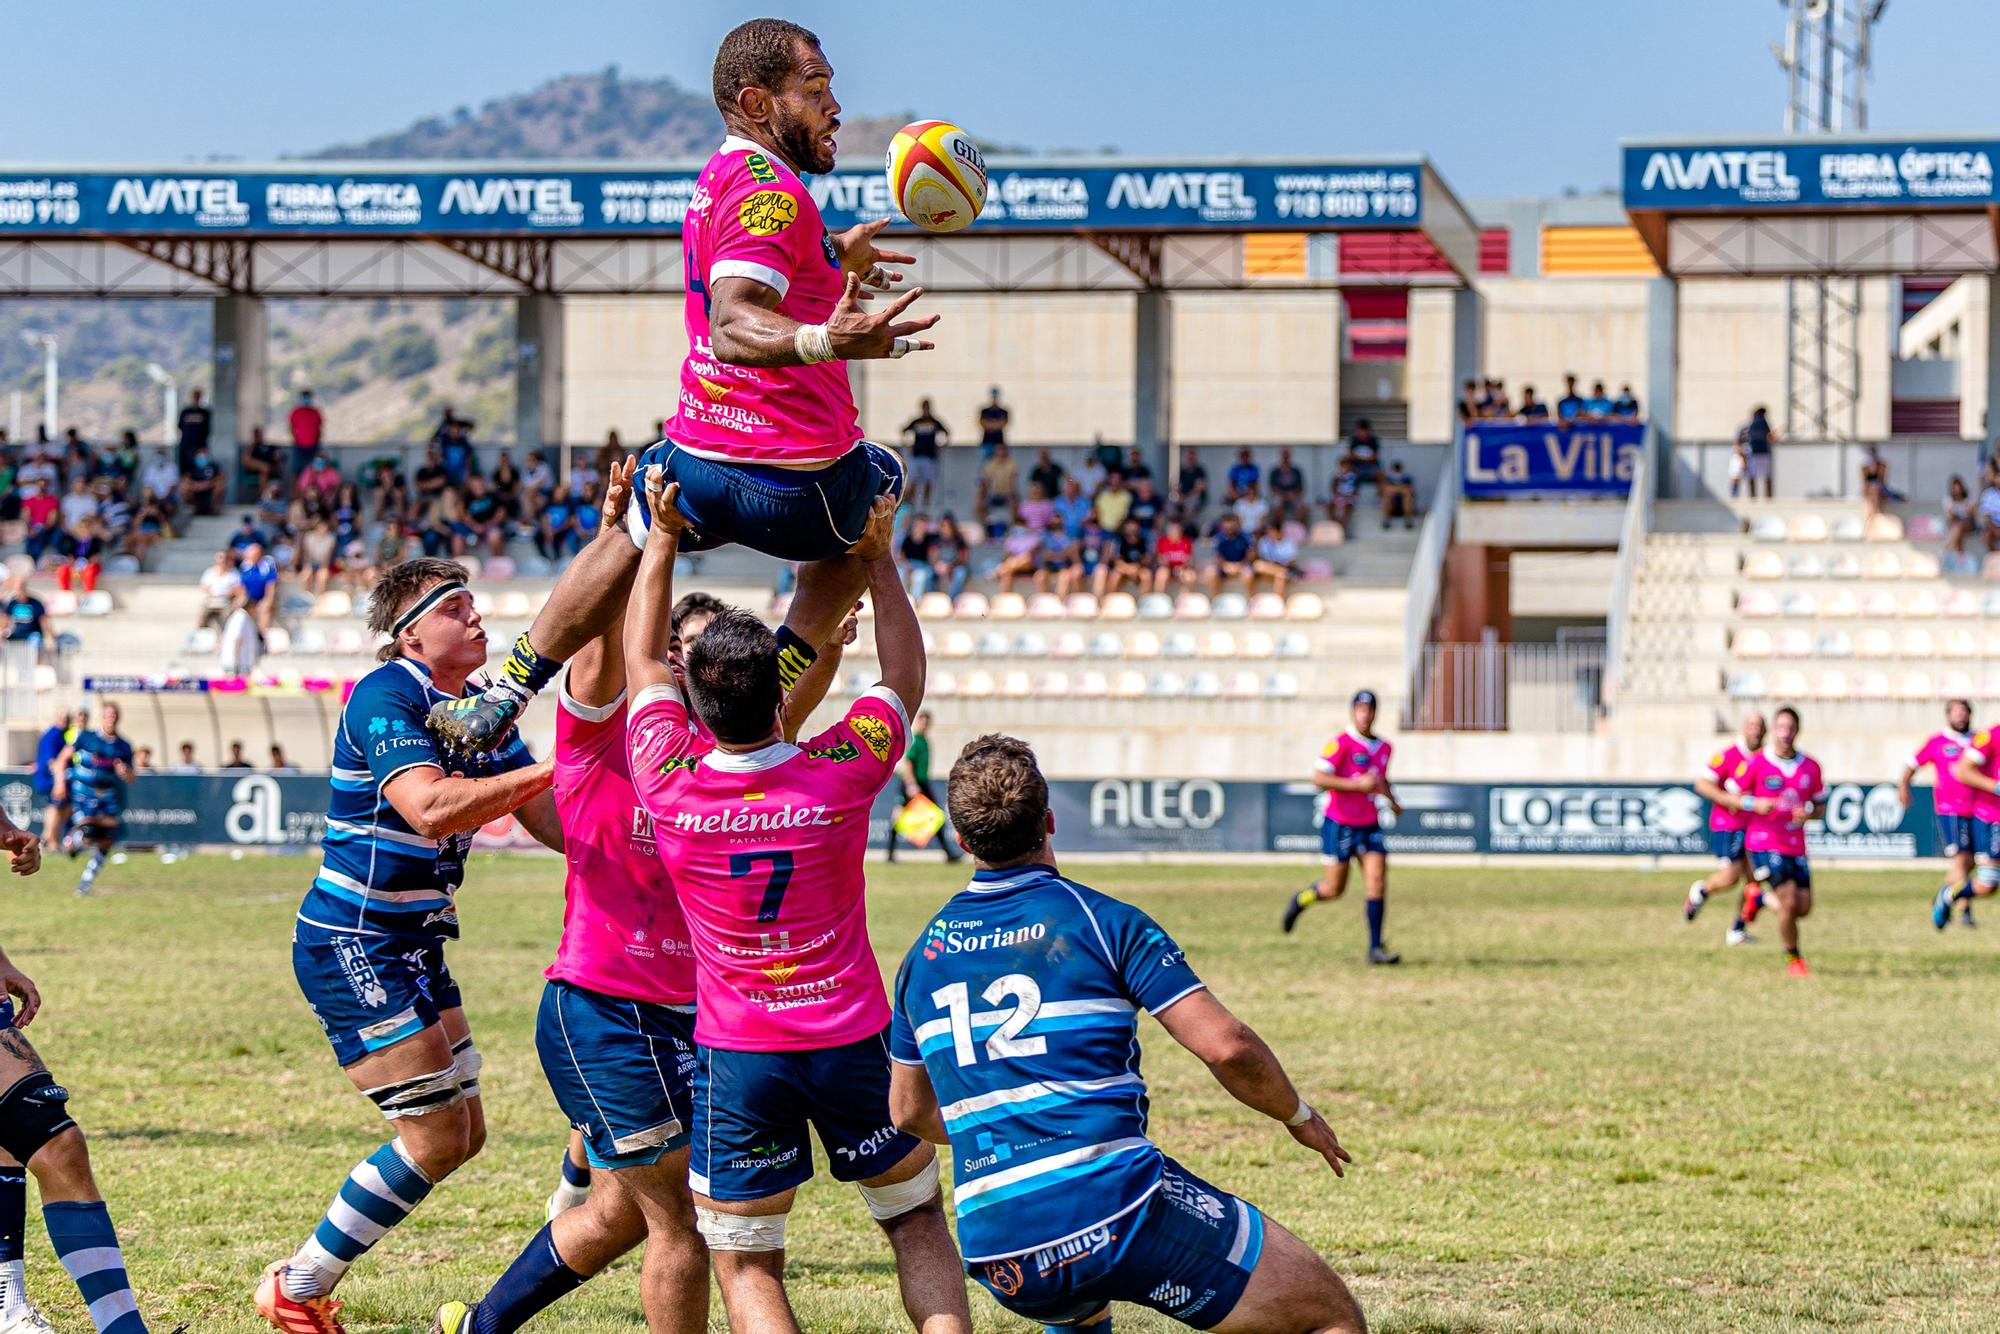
x: 317, y: 555
x: 1020, y: 549
x: 121, y: 464
x: 247, y: 535
x: 193, y: 428
x: 950, y: 558
x: 1047, y: 474
x: 79, y: 504
x: 1114, y: 502
x: 279, y: 764
x: 42, y: 513
x: 113, y: 509
x: 558, y: 535
x: 10, y: 494
x: 259, y: 593
x: 201, y: 485
x: 1345, y: 490
x: 237, y: 759
x: 346, y: 514
x: 1961, y: 516
x: 392, y: 492
x: 449, y: 515
x: 486, y: 524
x: 220, y: 583
x: 1192, y: 486
x: 261, y: 462
x: 923, y: 434
x: 142, y: 760
x: 431, y: 477
x: 187, y: 763
x: 1072, y: 506
x: 538, y: 486
x: 1092, y: 544
x: 42, y: 468
x: 1145, y: 506
x: 609, y: 454
x: 1468, y: 402
x: 1532, y: 409
x: 1251, y: 509
x: 1570, y: 406
x: 1989, y: 512
x: 1135, y: 468
x: 1876, y: 493
x: 1107, y: 454
x: 1038, y: 508
x: 1625, y: 407
x: 993, y: 420
x: 1597, y: 408
x: 83, y: 555
x: 1288, y: 488
x: 77, y: 459
x: 584, y: 479
x: 1130, y: 557
x: 160, y: 477
x: 27, y: 619
x: 1757, y: 437
x: 1364, y: 452
x: 1276, y: 559
x: 319, y: 479
x: 1398, y: 491
x: 1091, y: 474
x: 1173, y: 558
x: 307, y: 428
x: 1493, y: 400
x: 506, y: 484
x: 999, y: 488
x: 1058, y: 570
x: 1243, y: 474
x: 273, y: 510
x: 150, y: 525
x: 392, y: 548
x: 1234, y: 550
x: 915, y: 551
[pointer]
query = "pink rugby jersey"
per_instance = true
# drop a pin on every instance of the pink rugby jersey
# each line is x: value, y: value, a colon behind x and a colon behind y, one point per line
x: 623, y: 931
x: 1986, y: 745
x: 765, y: 848
x: 1941, y: 752
x: 1351, y: 755
x: 1723, y: 767
x: 1781, y: 788
x: 752, y: 217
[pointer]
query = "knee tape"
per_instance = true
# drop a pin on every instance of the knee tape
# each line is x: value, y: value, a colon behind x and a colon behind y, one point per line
x: 32, y: 1113
x: 419, y: 1096
x: 466, y: 1063
x: 1987, y: 873
x: 887, y: 1202
x: 740, y: 1232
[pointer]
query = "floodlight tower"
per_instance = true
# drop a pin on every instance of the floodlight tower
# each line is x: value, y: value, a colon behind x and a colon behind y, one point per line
x: 1825, y: 60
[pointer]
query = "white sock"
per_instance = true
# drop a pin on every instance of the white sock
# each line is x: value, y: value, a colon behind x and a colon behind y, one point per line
x: 13, y: 1286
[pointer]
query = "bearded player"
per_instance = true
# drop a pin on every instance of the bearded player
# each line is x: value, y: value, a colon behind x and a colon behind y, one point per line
x: 1954, y: 802
x: 1727, y: 828
x: 765, y: 443
x: 1352, y: 772
x: 1783, y: 789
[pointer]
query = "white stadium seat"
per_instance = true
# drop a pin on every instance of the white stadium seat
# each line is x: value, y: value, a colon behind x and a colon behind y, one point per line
x: 1007, y: 607
x: 1106, y: 644
x: 1830, y: 685
x: 1846, y: 565
x: 1924, y: 528
x: 1192, y: 607
x: 499, y: 567
x: 1915, y: 642
x: 1179, y: 644
x: 1885, y: 528
x: 955, y: 644
x: 1960, y: 604
x: 1746, y: 685
x: 1841, y: 605
x: 1789, y: 685
x: 1989, y: 642
x: 1871, y: 685
x: 1031, y: 644
x: 122, y: 564
x: 993, y: 644
x: 1955, y: 684
x: 518, y: 606
x: 1882, y: 565
x: 1156, y: 607
x: 860, y: 682
x: 1219, y: 644
x: 1880, y: 604
x: 1835, y: 644
x: 61, y: 602
x: 941, y: 685
x: 97, y: 602
x: 934, y: 606
x: 347, y: 642
x: 1068, y: 644
x: 1920, y: 605
x: 1877, y: 644
x: 1242, y: 685
x: 1920, y: 565
x: 201, y: 640
x: 1052, y: 685
x: 1806, y: 565
x: 1081, y: 606
x: 1204, y: 685
x: 1751, y: 643
x: 976, y: 685
x: 1847, y: 528
x: 310, y: 640
x: 1294, y: 646
x: 277, y: 640
x: 971, y: 607
x: 1017, y: 684
x: 1231, y: 607
x: 1989, y: 684
x: 1794, y: 643
x: 1093, y: 685
x: 1046, y: 607
x: 20, y: 565
x: 1802, y: 605
x: 1763, y: 565
x: 1118, y: 607
x: 1916, y: 685
x: 1143, y: 645
x: 1991, y: 606
x: 1806, y: 528
x: 1958, y: 645
x: 1256, y: 644
x: 1282, y: 685
x: 1129, y: 684
x: 1267, y: 607
x: 1167, y: 685
x: 1770, y: 528
x: 1757, y: 603
x: 473, y: 566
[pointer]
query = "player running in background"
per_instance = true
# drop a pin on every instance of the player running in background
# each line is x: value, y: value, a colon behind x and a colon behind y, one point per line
x: 1783, y: 789
x: 1727, y: 827
x: 1977, y: 768
x: 90, y: 777
x: 1954, y: 802
x: 1353, y: 771
x: 368, y: 945
x: 37, y: 1129
x: 764, y: 840
x: 1018, y: 1011
x: 765, y: 443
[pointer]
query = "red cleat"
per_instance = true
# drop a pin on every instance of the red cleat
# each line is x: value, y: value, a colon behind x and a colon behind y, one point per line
x: 1797, y: 968
x: 313, y: 1315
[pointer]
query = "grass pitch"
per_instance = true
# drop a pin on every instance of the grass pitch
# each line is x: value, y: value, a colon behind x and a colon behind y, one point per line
x: 1570, y: 1112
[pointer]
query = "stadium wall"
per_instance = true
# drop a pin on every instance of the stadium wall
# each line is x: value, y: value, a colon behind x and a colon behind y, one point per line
x: 1538, y: 330
x: 1733, y: 352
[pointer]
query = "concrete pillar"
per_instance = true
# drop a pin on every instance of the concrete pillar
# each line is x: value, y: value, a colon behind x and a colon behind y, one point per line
x: 1985, y: 370
x: 240, y: 395
x: 1152, y: 372
x: 1445, y: 332
x: 1663, y: 353
x: 538, y: 371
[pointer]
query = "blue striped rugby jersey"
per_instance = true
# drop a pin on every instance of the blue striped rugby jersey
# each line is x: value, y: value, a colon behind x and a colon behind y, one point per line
x: 1022, y: 1001
x: 376, y: 876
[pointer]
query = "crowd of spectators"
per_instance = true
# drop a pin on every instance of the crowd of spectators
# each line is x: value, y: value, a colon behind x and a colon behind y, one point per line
x: 1487, y: 400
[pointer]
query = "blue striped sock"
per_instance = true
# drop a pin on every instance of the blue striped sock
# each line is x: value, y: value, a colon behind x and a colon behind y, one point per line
x: 377, y: 1195
x: 88, y: 1248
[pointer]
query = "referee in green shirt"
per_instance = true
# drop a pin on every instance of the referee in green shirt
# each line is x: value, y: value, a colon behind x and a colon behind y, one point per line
x: 915, y: 771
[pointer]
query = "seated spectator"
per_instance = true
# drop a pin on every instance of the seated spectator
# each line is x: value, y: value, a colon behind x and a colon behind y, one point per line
x: 1875, y: 490
x: 538, y: 486
x: 1597, y: 408
x: 113, y: 509
x: 279, y: 764
x: 150, y: 525
x: 273, y: 509
x: 27, y: 619
x: 1570, y: 406
x: 392, y: 548
x: 1399, y: 496
x: 187, y: 763
x: 1243, y: 475
x: 1468, y: 402
x: 589, y: 512
x: 1020, y: 548
x: 142, y: 760
x: 1989, y: 513
x: 506, y: 483
x: 259, y: 593
x: 308, y: 425
x: 1493, y: 400
x: 1073, y: 507
x: 1288, y: 487
x: 914, y: 553
x: 1276, y: 559
x: 220, y: 583
x: 430, y: 478
x: 263, y: 462
x: 483, y: 517
x: 1364, y: 452
x: 346, y: 514
x: 1047, y: 474
x: 1106, y: 454
x: 122, y: 463
x: 1192, y: 487
x: 41, y: 511
x: 558, y: 534
x: 10, y: 495
x: 1038, y: 508
x: 79, y: 503
x: 1146, y: 506
x: 317, y: 557
x: 950, y: 558
x: 1114, y: 502
x: 455, y: 449
x: 83, y: 547
x: 1135, y: 468
x: 41, y: 468
x: 1091, y: 545
x: 1625, y: 407
x: 448, y: 534
x: 319, y: 479
x: 1173, y: 559
x: 77, y: 458
x: 201, y: 487
x: 1341, y: 496
x: 999, y: 490
x: 160, y: 477
x: 1532, y: 409
x: 237, y: 759
x: 1091, y: 475
x: 392, y: 492
x: 1251, y: 509
x: 247, y: 535
x: 1960, y: 516
x: 1058, y: 569
x: 1234, y: 551
x: 1130, y: 556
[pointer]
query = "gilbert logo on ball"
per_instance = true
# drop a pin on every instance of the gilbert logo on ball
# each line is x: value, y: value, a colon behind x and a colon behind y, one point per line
x: 936, y: 175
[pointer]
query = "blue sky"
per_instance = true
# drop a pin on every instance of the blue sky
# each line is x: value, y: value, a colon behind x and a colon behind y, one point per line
x: 1507, y: 99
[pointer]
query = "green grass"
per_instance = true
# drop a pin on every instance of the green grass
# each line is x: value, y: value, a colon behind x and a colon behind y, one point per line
x: 1569, y: 1111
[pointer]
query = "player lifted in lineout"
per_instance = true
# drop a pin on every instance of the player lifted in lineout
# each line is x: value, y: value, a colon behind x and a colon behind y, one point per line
x: 1783, y: 790
x: 1955, y: 803
x: 765, y: 443
x: 1728, y: 827
x: 1016, y: 1042
x: 764, y: 842
x: 1352, y: 772
x: 90, y: 778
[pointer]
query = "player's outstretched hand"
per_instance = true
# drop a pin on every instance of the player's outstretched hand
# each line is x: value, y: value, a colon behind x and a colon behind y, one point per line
x: 24, y: 851
x: 850, y: 628
x: 1317, y: 1135
x: 617, y: 493
x: 663, y: 505
x: 860, y: 255
x: 861, y: 335
x: 15, y: 983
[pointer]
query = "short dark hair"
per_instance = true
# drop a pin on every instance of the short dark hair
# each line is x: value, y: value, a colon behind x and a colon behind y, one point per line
x: 696, y: 604
x: 762, y: 53
x: 732, y: 674
x: 399, y: 587
x: 998, y: 799
x: 1787, y: 712
x: 1950, y: 703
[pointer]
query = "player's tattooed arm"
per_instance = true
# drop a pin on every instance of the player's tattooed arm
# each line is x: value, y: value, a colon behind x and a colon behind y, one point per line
x: 15, y: 983
x: 648, y: 617
x: 913, y: 1104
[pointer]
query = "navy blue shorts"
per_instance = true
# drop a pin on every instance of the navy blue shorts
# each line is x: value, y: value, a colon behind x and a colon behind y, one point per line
x: 1777, y: 868
x: 752, y: 1110
x: 1345, y: 842
x: 789, y: 513
x: 87, y: 805
x: 622, y: 1072
x: 370, y: 992
x: 1986, y: 840
x: 1187, y: 1252
x: 1956, y: 834
x: 1727, y: 844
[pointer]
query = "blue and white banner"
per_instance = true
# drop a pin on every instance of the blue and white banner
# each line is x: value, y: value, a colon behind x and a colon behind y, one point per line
x: 1827, y: 174
x: 1498, y: 459
x: 325, y: 200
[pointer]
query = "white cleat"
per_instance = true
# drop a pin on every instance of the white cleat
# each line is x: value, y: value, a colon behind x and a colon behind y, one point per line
x: 1738, y: 936
x: 25, y: 1320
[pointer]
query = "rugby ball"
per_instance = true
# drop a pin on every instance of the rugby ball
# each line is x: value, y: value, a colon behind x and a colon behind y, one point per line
x: 937, y: 176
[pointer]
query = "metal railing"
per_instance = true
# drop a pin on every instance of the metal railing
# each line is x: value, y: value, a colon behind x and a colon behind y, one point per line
x: 1427, y: 580
x: 1495, y: 687
x: 1624, y: 582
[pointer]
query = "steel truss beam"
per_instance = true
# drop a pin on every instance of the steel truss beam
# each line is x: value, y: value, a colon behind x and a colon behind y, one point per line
x: 228, y: 264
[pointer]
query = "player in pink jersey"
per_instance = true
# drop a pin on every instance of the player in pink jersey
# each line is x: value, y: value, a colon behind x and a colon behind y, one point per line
x: 1782, y: 790
x: 1954, y: 803
x: 1977, y: 769
x: 764, y: 840
x: 1352, y: 772
x: 1727, y: 825
x: 765, y: 442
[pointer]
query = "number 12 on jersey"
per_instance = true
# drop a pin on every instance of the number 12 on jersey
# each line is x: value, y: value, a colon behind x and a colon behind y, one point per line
x: 1026, y: 993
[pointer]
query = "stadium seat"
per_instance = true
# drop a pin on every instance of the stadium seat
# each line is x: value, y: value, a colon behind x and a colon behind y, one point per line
x: 1282, y: 685
x: 1789, y: 685
x: 483, y: 600
x: 1295, y: 532
x: 1219, y: 644
x: 1794, y: 643
x: 1046, y: 607
x: 1846, y: 565
x: 934, y: 606
x: 1770, y: 528
x: 976, y: 685
x: 1835, y: 644
x: 1192, y: 607
x: 1179, y: 644
x: 941, y: 685
x: 1803, y: 605
x: 1916, y: 686
x: 1806, y: 528
x: 955, y: 644
x: 310, y: 640
x: 1830, y: 685
x: 1806, y: 565
x: 1924, y: 528
x: 97, y: 602
x: 1757, y: 603
x: 1955, y: 684
x: 1842, y: 605
x: 1763, y: 565
x: 1879, y: 603
x: 1017, y: 684
x: 1008, y: 607
x: 1885, y: 528
x: 1167, y: 685
x: 518, y: 606
x: 1093, y: 685
x: 1920, y: 605
x: 1989, y: 642
x: 1958, y: 645
x: 1876, y: 644
x: 1068, y: 644
x: 993, y: 644
x: 1751, y: 644
x: 1990, y: 567
x: 1031, y: 644
x: 536, y: 568
x: 1267, y: 607
x: 20, y: 566
x: 1231, y: 607
x: 1105, y: 644
x: 1082, y: 606
x: 500, y: 567
x: 474, y: 567
x: 347, y: 642
x: 1847, y: 528
x: 1257, y: 644
x: 1961, y: 604
x: 1326, y: 533
x: 971, y: 607
x: 1882, y: 565
x: 45, y: 677
x: 333, y: 604
x: 1143, y: 645
x: 1746, y: 685
x: 1989, y: 684
x: 1242, y: 685
x: 1129, y: 684
x: 123, y: 565
x: 1052, y: 685
x: 1920, y: 565
x: 1156, y: 607
x: 1118, y: 607
x: 200, y: 640
x: 1315, y: 570
x: 1915, y: 642
x: 277, y: 641
x: 1294, y: 646
x: 1204, y: 685
x: 1304, y: 607
x: 1991, y: 606
x: 60, y: 602
x: 1870, y: 685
